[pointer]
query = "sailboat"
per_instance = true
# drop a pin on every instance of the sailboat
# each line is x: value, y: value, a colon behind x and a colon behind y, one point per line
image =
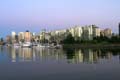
x: 43, y: 44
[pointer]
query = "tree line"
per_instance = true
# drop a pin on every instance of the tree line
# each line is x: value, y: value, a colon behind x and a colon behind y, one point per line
x: 101, y: 39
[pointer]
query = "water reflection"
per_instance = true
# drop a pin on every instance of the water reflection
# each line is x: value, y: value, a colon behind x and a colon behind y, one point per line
x: 91, y: 56
x: 35, y: 54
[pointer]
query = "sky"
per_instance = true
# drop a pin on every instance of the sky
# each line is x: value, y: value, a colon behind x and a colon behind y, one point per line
x: 34, y: 15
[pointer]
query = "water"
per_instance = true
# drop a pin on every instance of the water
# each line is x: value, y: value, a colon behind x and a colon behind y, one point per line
x: 59, y: 64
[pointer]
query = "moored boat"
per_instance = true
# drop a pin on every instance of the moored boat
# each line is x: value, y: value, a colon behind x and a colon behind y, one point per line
x: 27, y: 44
x: 16, y: 45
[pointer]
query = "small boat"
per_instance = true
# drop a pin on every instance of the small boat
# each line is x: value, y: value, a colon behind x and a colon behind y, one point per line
x: 34, y: 44
x: 8, y: 45
x: 58, y: 46
x: 43, y: 46
x: 27, y: 44
x: 16, y: 45
x: 51, y: 46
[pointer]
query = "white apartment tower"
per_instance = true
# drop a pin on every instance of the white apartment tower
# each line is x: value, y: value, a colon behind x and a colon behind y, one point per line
x: 13, y: 36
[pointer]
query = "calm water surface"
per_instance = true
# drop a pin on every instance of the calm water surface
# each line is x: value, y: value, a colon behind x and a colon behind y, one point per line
x: 59, y: 64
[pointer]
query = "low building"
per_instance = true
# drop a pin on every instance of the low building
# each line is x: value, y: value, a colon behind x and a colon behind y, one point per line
x: 8, y: 39
x: 108, y: 33
x: 102, y: 33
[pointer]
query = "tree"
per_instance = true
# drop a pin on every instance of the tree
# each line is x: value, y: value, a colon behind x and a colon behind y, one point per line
x: 22, y: 40
x: 69, y: 39
x: 16, y: 38
x: 1, y: 40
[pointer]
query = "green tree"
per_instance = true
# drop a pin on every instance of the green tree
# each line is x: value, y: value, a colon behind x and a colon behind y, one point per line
x: 1, y: 40
x: 69, y: 39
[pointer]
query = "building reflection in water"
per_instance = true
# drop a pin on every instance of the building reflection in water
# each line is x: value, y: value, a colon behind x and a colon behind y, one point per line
x: 36, y: 54
x: 21, y: 54
x: 92, y: 56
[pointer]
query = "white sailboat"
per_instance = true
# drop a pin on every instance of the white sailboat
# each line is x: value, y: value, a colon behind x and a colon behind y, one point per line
x: 27, y: 44
x: 43, y: 45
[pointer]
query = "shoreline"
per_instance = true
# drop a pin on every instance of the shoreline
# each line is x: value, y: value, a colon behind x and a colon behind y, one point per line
x: 74, y: 46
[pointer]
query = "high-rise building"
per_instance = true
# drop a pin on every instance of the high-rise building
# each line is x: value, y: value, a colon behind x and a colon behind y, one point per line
x: 78, y: 32
x: 13, y: 36
x: 87, y: 33
x: 72, y: 31
x: 27, y: 36
x: 21, y: 36
x: 96, y: 31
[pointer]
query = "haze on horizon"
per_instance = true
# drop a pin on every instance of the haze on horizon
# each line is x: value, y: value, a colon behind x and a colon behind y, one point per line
x: 34, y: 15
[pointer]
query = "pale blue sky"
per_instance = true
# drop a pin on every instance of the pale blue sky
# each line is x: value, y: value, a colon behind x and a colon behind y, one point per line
x: 34, y: 15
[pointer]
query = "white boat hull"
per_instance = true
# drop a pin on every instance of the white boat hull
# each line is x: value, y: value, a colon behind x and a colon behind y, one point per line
x: 27, y: 44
